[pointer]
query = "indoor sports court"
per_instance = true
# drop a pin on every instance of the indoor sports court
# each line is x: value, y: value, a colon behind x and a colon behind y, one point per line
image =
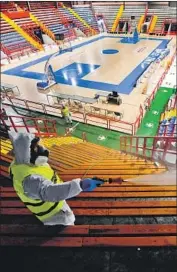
x: 94, y: 84
x: 99, y: 65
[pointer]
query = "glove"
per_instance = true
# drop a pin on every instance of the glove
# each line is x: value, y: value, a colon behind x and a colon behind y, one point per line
x: 89, y: 185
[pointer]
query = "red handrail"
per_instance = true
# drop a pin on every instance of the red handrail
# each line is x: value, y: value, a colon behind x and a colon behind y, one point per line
x: 109, y: 122
x: 46, y: 128
x: 146, y: 12
x: 149, y: 100
x: 163, y: 130
x: 157, y: 147
x: 170, y: 21
x: 4, y: 49
x: 162, y: 32
x: 138, y: 120
x: 172, y: 105
x: 29, y: 27
x: 18, y: 50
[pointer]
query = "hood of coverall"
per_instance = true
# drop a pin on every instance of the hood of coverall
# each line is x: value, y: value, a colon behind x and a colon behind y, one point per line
x: 21, y: 148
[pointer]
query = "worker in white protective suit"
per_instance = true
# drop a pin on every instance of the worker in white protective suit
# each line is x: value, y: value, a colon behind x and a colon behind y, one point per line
x: 37, y: 184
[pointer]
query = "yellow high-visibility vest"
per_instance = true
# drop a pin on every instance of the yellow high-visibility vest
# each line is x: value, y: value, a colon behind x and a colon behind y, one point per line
x: 41, y: 209
x: 65, y: 111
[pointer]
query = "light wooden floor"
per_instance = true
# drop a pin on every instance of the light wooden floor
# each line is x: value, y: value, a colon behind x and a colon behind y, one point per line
x: 114, y: 68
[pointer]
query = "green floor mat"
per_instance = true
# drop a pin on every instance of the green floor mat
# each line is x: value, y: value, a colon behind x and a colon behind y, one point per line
x: 151, y: 119
x: 97, y: 135
x: 150, y: 122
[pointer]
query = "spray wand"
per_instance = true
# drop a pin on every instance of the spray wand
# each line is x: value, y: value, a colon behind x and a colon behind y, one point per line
x: 71, y: 130
x: 118, y: 180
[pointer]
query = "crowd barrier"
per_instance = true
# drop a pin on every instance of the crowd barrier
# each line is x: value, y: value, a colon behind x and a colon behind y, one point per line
x: 84, y: 117
x: 40, y: 126
x: 149, y: 146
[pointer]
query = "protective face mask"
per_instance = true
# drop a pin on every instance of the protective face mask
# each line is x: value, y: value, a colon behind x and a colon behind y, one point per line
x: 41, y: 160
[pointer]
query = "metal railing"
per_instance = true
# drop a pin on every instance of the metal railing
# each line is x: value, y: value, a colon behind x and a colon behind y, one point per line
x: 4, y: 49
x: 167, y: 130
x: 18, y: 51
x: 157, y: 147
x: 38, y: 126
x: 9, y: 90
x: 151, y: 97
x: 168, y: 21
x: 86, y: 117
x: 172, y: 105
x: 29, y: 28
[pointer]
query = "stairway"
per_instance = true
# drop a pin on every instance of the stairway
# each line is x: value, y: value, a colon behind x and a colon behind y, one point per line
x: 43, y: 27
x: 13, y: 42
x: 23, y: 33
x: 48, y: 18
x: 108, y: 11
x: 168, y: 114
x: 6, y: 146
x: 141, y: 21
x: 87, y: 14
x: 152, y: 24
x: 133, y: 9
x: 117, y: 218
x: 57, y: 141
x: 118, y: 16
x: 76, y: 159
x: 163, y: 12
x: 80, y: 19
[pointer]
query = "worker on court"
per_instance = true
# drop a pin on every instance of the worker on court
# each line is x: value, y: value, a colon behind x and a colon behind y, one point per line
x: 37, y: 184
x: 66, y: 114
